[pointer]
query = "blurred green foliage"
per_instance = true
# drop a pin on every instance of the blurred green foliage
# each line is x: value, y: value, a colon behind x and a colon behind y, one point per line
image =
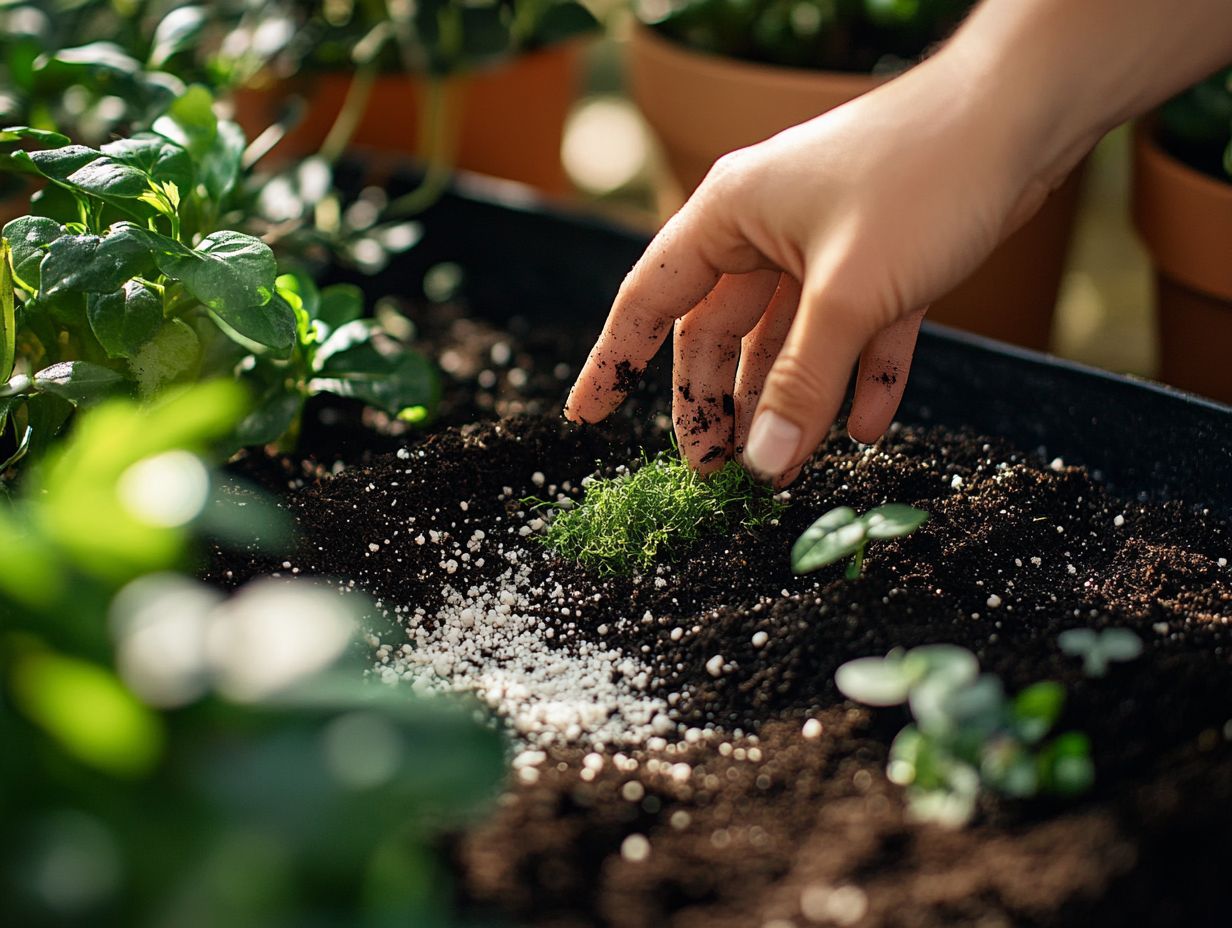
x: 1196, y: 126
x: 174, y: 756
x: 832, y: 35
x: 124, y: 277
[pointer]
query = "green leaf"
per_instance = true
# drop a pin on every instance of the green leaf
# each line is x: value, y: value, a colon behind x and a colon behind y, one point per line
x: 126, y: 319
x: 89, y: 712
x: 79, y: 382
x: 874, y: 681
x: 8, y: 320
x: 834, y: 536
x: 1037, y: 708
x: 171, y: 353
x: 392, y: 382
x: 893, y: 520
x: 233, y: 275
x: 30, y: 134
x: 107, y: 56
x: 1120, y: 644
x: 95, y: 264
x: 59, y: 163
x: 110, y: 179
x: 28, y: 237
x: 156, y: 156
x: 271, y: 419
x: 953, y: 665
x: 1065, y: 765
x: 339, y: 304
x: 217, y: 146
x: 178, y: 31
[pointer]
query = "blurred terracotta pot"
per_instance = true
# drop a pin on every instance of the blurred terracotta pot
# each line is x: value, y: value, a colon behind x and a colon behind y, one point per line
x: 702, y: 106
x: 507, y: 121
x: 1184, y: 218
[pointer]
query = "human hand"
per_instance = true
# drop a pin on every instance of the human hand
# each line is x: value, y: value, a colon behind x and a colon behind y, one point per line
x: 819, y: 246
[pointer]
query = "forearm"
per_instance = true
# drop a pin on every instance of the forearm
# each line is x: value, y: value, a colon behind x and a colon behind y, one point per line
x: 1080, y: 67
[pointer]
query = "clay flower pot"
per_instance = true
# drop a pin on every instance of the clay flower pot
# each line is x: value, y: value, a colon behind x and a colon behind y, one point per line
x: 505, y: 121
x: 1184, y: 218
x: 702, y: 106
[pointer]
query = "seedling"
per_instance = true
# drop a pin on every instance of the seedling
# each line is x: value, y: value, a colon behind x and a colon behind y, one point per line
x: 632, y: 520
x: 967, y: 735
x: 1100, y: 648
x: 841, y: 533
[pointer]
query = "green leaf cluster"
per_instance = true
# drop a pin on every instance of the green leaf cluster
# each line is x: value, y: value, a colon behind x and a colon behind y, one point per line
x: 967, y: 735
x: 630, y: 521
x: 1100, y: 648
x: 120, y: 280
x: 841, y: 533
x: 169, y: 747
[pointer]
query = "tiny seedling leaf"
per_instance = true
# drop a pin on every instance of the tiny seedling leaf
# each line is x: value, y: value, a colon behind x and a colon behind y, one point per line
x: 874, y: 681
x: 893, y: 520
x: 1037, y: 708
x: 834, y: 536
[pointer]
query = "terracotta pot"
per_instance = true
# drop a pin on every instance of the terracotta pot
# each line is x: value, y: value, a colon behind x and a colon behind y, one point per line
x: 506, y: 121
x: 1184, y: 218
x: 702, y: 106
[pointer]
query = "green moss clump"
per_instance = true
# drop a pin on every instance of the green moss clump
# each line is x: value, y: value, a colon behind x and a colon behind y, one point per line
x: 632, y: 520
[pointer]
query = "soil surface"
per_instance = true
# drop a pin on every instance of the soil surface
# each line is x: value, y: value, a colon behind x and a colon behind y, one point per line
x: 735, y: 817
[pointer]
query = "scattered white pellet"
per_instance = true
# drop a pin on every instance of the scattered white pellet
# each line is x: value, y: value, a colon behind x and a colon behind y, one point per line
x: 373, y: 547
x: 994, y: 601
x: 1118, y: 521
x: 812, y: 729
x: 1057, y: 464
x: 760, y: 639
x: 537, y: 478
x: 956, y: 482
x: 714, y: 666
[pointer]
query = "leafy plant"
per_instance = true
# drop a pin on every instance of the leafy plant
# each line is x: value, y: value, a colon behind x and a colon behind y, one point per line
x: 967, y: 735
x: 841, y: 35
x: 633, y: 519
x: 841, y: 533
x: 121, y: 280
x: 1098, y: 649
x: 170, y: 748
x: 1196, y: 125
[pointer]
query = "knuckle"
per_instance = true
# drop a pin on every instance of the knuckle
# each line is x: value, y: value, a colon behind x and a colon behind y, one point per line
x: 795, y: 382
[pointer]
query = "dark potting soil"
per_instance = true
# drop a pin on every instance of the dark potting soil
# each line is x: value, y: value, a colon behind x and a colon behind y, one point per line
x: 769, y: 828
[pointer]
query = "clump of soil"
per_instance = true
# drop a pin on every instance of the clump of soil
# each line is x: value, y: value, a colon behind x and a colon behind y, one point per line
x: 744, y: 791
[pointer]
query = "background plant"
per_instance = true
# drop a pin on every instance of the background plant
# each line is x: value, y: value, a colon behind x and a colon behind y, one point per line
x: 967, y: 735
x: 1196, y: 126
x: 834, y: 35
x: 175, y: 755
x: 841, y: 533
x: 123, y: 278
x: 634, y: 519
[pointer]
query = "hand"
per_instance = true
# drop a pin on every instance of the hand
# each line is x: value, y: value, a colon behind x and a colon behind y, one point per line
x: 822, y: 245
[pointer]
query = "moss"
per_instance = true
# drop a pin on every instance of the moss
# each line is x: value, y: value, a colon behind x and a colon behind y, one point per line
x: 632, y: 520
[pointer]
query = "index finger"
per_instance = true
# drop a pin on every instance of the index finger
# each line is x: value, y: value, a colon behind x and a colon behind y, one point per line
x: 670, y: 279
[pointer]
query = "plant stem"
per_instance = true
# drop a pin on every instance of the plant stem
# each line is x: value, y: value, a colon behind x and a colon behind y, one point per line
x: 438, y: 163
x: 857, y: 564
x: 352, y: 111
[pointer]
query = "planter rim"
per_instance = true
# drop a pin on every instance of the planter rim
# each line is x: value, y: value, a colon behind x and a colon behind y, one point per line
x: 1183, y: 217
x: 1177, y: 172
x: 783, y: 77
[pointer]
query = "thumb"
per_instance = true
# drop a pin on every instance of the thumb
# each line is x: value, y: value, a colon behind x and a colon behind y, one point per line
x: 807, y: 383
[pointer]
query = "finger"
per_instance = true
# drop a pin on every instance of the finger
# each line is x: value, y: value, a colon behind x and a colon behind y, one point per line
x: 757, y: 353
x: 884, y: 366
x: 706, y: 350
x: 807, y: 382
x: 670, y: 279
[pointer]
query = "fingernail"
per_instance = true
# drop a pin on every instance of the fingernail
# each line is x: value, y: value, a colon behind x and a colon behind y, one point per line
x: 772, y: 445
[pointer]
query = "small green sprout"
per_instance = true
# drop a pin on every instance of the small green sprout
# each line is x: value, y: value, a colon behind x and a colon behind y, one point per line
x: 1099, y: 648
x: 840, y: 532
x: 629, y: 521
x: 967, y: 735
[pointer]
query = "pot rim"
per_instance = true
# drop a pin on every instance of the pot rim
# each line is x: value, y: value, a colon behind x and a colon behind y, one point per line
x: 723, y: 67
x: 1175, y: 172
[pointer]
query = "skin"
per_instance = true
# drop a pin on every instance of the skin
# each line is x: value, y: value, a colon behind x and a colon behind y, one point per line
x: 822, y: 247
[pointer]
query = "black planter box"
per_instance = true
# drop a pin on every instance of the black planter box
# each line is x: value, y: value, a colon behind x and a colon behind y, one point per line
x: 557, y: 267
